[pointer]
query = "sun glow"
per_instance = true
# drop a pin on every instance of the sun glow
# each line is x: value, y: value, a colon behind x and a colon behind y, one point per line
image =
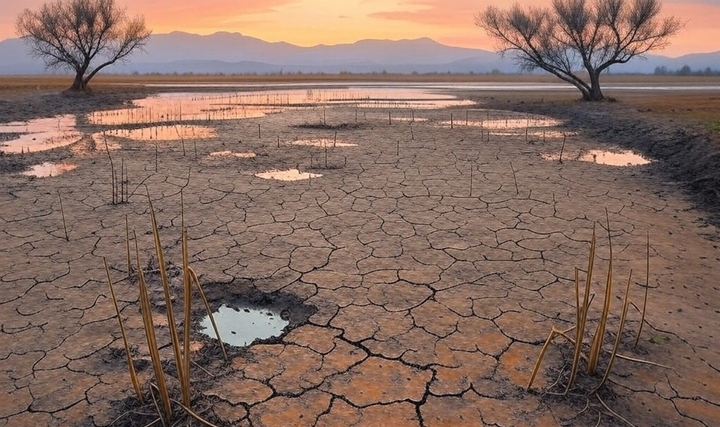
x: 313, y: 22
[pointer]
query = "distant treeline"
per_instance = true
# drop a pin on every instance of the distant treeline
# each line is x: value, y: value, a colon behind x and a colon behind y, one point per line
x: 659, y: 71
x: 685, y: 70
x: 494, y: 72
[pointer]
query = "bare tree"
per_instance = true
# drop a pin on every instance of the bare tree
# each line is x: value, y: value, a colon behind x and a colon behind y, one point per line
x: 82, y: 35
x: 580, y: 35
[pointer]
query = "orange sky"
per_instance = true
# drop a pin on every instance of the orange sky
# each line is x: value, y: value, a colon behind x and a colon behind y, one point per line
x: 311, y: 22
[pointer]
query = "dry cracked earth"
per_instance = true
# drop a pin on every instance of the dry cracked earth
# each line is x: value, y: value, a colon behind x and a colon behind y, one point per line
x: 434, y: 263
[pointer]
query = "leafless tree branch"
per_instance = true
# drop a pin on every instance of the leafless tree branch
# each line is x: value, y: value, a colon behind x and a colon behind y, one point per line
x: 576, y: 36
x: 84, y: 36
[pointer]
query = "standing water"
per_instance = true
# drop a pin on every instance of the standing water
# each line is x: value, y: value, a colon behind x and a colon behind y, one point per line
x: 241, y: 326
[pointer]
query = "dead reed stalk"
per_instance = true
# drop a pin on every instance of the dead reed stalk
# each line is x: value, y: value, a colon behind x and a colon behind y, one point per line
x: 582, y: 306
x: 62, y: 214
x: 517, y: 189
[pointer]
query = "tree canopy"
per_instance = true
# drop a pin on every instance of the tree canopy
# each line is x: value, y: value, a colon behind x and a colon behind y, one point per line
x: 84, y: 36
x: 576, y: 36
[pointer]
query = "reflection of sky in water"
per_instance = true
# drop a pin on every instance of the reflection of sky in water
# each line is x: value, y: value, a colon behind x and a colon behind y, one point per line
x: 610, y: 158
x: 603, y: 157
x: 177, y: 107
x: 164, y: 133
x: 183, y: 106
x: 242, y: 326
x: 509, y: 123
x: 287, y: 175
x: 322, y: 143
x: 40, y: 134
x: 48, y: 169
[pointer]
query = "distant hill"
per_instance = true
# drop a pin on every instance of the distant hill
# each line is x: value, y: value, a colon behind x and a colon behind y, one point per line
x: 234, y: 53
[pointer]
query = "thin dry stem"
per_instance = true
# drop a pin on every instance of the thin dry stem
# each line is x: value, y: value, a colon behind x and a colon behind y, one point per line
x: 127, y: 246
x: 583, y: 310
x: 599, y: 337
x: 194, y: 415
x: 194, y: 277
x: 553, y: 333
x: 613, y: 413
x: 62, y: 213
x: 647, y: 286
x: 128, y: 357
x: 517, y: 189
x: 618, y: 337
x: 187, y: 287
x: 166, y: 291
x: 151, y: 339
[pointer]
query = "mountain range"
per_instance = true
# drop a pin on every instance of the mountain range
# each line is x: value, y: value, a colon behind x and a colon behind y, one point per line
x: 234, y: 53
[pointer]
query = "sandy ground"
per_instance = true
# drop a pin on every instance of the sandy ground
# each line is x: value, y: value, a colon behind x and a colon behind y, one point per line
x: 431, y: 264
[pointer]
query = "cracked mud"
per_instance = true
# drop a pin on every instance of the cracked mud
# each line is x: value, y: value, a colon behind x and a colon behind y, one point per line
x: 431, y: 262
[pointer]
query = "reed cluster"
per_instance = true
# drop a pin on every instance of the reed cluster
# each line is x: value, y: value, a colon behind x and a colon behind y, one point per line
x: 589, y: 347
x: 158, y: 390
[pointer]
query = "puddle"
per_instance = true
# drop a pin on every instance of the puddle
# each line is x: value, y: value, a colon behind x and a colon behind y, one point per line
x: 178, y: 107
x: 193, y: 106
x: 603, y: 157
x: 610, y: 158
x: 322, y: 143
x: 509, y: 123
x: 409, y: 119
x: 240, y: 327
x: 229, y: 153
x: 415, y: 104
x: 48, y: 169
x: 287, y: 175
x: 39, y: 134
x: 164, y: 133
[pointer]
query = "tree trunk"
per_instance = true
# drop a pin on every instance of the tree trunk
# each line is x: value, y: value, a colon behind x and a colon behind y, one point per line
x: 79, y: 84
x: 595, y: 91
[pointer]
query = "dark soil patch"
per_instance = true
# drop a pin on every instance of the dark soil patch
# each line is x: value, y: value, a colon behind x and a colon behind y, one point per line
x: 243, y: 293
x: 51, y: 104
x: 16, y: 163
x: 207, y: 365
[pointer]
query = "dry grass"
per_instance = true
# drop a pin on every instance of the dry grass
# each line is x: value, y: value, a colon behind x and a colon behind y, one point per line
x: 591, y: 350
x: 181, y: 353
x: 698, y: 108
x: 582, y: 307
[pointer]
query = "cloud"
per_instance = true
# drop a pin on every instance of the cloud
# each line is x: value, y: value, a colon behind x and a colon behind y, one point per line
x: 219, y: 7
x: 435, y: 12
x: 216, y: 15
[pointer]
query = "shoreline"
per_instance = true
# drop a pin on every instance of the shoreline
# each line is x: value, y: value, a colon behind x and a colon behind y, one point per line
x: 690, y: 154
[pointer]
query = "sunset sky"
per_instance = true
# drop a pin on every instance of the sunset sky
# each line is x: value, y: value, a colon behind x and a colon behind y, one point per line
x: 312, y: 22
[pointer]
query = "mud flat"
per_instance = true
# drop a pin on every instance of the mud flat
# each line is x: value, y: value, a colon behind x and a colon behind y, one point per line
x: 419, y: 274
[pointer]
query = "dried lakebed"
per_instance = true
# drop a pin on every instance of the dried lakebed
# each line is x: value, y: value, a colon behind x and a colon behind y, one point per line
x: 430, y: 264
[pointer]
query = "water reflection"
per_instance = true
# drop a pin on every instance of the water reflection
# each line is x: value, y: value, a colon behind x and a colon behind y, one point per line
x: 322, y: 143
x: 240, y: 327
x: 164, y: 133
x: 39, y: 134
x: 48, y: 169
x: 186, y: 106
x: 603, y: 157
x: 506, y: 123
x: 287, y: 175
x: 178, y: 107
x: 613, y: 158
